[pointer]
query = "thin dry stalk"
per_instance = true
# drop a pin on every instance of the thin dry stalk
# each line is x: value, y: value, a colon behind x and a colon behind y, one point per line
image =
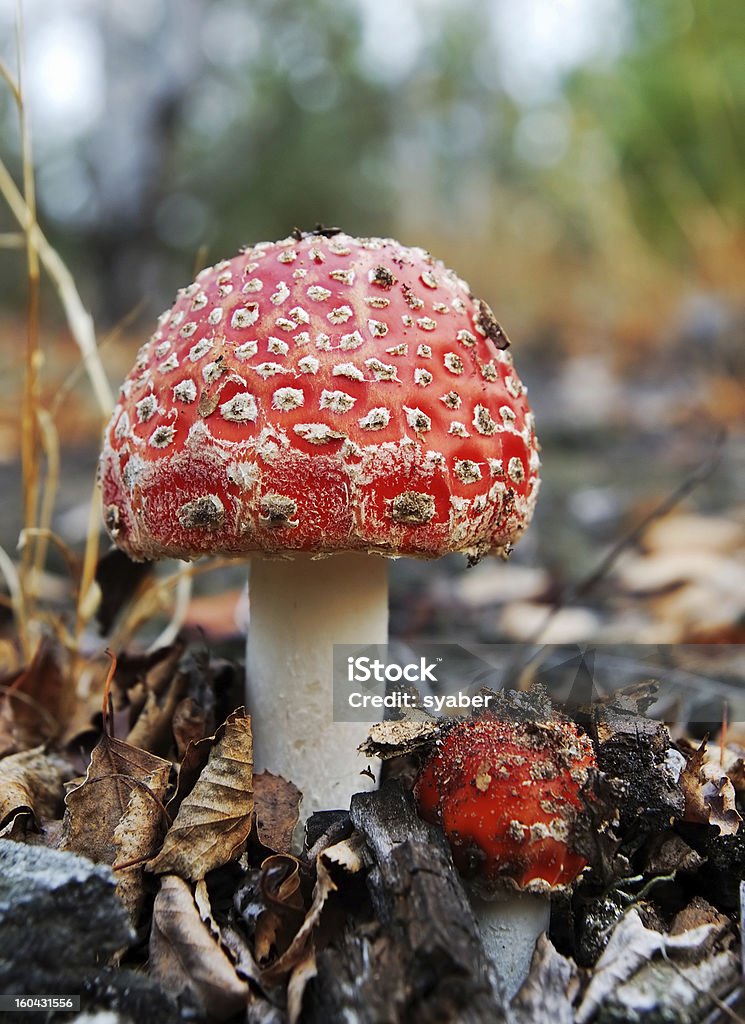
x: 17, y: 600
x: 88, y: 593
x: 30, y: 447
x: 50, y: 445
x: 78, y: 318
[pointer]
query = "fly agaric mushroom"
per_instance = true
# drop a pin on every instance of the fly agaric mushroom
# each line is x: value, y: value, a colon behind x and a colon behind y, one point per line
x: 508, y: 794
x: 319, y: 396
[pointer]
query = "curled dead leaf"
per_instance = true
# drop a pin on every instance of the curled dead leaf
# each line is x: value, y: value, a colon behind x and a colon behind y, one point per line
x: 183, y: 954
x: 188, y: 724
x: 284, y: 907
x: 709, y: 793
x: 30, y: 788
x: 152, y: 729
x: 345, y: 855
x: 214, y: 819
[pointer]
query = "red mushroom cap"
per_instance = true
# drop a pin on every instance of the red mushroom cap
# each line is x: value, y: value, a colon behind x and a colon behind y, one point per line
x: 322, y: 394
x: 507, y: 795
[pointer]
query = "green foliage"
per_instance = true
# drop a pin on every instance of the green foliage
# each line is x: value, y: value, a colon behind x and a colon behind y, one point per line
x: 673, y: 109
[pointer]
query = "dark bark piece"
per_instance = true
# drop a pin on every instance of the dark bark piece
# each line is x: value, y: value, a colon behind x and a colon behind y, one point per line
x: 422, y: 960
x: 634, y: 749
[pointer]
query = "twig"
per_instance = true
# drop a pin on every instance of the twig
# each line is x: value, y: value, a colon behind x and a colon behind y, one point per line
x: 107, y: 709
x: 719, y: 1003
x: 695, y: 478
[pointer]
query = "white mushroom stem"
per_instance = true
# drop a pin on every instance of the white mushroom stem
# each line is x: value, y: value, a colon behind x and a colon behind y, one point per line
x: 509, y: 927
x: 300, y: 608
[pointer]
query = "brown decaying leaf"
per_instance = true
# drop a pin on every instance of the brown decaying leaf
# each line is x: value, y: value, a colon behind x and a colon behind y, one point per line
x: 95, y: 808
x: 709, y: 793
x: 214, y: 820
x: 278, y: 923
x: 30, y: 787
x: 188, y: 724
x: 345, y: 855
x: 35, y: 701
x: 183, y: 954
x: 277, y: 811
x: 304, y: 972
x: 152, y: 730
x: 137, y: 837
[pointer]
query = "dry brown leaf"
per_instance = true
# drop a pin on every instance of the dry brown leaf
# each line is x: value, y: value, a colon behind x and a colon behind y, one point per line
x: 137, y: 837
x: 305, y: 971
x: 278, y: 923
x: 709, y: 793
x: 214, y: 820
x: 183, y: 954
x: 30, y: 787
x: 152, y: 730
x: 344, y: 854
x: 95, y: 808
x: 188, y: 724
x: 34, y: 702
x: 277, y: 811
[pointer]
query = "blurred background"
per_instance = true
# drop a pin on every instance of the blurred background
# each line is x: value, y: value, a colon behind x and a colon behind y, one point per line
x: 579, y: 162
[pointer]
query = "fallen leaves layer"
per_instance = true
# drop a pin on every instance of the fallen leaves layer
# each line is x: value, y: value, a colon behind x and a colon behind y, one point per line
x: 641, y: 970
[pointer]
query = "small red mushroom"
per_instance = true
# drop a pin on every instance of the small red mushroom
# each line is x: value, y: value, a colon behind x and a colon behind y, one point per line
x: 508, y: 794
x: 319, y: 396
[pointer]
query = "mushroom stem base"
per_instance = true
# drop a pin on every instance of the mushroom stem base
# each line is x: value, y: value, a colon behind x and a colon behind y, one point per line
x: 509, y: 927
x: 299, y: 610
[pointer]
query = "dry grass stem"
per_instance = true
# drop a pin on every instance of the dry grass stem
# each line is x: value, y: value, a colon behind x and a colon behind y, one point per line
x: 78, y: 318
